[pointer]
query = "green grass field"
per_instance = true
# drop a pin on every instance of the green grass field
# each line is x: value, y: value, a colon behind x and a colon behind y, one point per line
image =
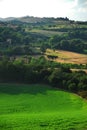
x: 40, y: 107
x: 46, y: 32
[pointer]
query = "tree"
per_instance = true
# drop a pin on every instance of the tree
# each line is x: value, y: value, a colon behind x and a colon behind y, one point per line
x: 56, y: 78
x: 72, y: 87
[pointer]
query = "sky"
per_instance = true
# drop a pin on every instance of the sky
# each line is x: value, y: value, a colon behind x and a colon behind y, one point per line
x: 73, y: 9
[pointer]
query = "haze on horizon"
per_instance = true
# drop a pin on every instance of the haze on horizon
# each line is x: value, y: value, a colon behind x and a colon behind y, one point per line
x: 73, y: 9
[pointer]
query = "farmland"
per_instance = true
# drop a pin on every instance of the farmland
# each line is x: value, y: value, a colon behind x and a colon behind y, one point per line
x: 43, y: 74
x: 40, y: 107
x: 67, y: 56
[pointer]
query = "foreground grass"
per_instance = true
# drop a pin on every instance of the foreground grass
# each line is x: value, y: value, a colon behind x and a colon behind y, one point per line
x: 40, y: 107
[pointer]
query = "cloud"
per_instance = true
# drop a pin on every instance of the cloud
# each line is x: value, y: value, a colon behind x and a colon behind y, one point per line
x: 82, y: 2
x: 78, y: 10
x: 82, y: 6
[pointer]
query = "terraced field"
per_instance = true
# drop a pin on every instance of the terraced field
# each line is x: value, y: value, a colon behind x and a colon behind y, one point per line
x: 40, y: 107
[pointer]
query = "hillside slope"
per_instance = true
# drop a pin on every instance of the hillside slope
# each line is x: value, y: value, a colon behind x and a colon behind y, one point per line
x: 67, y: 56
x: 38, y: 107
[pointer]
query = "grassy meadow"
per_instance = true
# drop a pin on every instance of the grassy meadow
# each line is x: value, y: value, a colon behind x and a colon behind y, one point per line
x: 67, y: 56
x: 46, y: 32
x: 40, y: 107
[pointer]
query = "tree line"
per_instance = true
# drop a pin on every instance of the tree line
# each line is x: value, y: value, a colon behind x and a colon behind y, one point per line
x: 42, y: 71
x: 75, y: 41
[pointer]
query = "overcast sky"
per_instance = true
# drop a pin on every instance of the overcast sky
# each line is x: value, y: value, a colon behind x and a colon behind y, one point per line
x: 73, y: 9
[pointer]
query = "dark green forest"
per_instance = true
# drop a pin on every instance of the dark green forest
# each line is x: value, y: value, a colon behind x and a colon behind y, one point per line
x: 44, y: 72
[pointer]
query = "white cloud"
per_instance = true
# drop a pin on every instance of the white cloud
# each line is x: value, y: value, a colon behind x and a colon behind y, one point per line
x: 79, y: 10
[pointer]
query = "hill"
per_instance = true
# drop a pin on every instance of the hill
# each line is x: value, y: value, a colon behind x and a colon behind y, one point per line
x: 31, y: 19
x: 40, y: 107
x: 22, y: 36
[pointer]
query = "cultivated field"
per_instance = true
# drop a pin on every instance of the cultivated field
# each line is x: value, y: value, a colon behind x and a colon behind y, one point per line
x: 40, y: 107
x: 46, y: 32
x: 68, y: 57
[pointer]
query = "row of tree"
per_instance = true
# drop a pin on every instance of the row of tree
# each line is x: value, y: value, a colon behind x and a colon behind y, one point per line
x: 40, y: 71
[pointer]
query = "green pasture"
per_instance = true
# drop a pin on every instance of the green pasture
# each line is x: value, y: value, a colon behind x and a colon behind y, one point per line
x: 40, y: 107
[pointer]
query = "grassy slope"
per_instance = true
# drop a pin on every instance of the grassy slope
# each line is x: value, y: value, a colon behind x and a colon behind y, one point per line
x: 40, y: 107
x: 45, y: 32
x: 68, y: 57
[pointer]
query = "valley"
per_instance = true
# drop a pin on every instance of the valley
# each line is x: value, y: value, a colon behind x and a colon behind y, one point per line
x: 43, y: 74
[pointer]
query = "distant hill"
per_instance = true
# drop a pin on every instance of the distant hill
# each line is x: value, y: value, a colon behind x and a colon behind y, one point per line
x: 7, y: 19
x: 47, y: 32
x: 31, y: 19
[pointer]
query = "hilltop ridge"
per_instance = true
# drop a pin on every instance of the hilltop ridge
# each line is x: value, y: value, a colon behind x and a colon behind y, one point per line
x: 33, y: 19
